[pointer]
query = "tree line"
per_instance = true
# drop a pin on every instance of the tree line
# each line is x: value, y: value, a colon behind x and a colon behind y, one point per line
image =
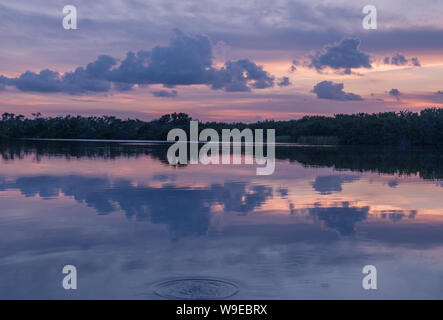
x: 404, y: 128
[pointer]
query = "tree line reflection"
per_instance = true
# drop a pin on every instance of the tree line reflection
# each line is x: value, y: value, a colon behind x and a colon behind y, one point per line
x: 424, y: 162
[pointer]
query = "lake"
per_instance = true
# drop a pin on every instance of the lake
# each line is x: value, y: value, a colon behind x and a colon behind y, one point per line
x: 136, y: 227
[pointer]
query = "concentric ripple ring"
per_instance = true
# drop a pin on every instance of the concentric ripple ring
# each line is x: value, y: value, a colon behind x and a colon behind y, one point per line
x: 196, y: 289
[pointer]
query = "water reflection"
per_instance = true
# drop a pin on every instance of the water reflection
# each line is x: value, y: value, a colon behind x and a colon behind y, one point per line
x: 331, y: 184
x: 121, y: 213
x: 341, y: 218
x: 425, y: 162
x: 184, y: 210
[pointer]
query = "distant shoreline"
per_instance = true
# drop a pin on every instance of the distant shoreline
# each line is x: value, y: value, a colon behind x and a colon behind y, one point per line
x: 280, y: 144
x: 403, y: 129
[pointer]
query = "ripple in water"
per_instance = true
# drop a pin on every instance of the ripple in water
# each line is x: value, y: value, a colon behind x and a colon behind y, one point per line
x: 196, y: 289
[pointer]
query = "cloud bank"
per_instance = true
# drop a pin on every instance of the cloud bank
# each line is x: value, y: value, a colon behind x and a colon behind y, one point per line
x: 186, y: 60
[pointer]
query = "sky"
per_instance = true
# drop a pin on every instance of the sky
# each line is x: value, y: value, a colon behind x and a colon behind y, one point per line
x: 225, y: 60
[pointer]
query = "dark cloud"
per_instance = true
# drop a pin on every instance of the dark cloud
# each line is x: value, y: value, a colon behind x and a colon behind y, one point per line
x: 186, y: 60
x: 45, y: 81
x: 101, y: 66
x: 415, y: 62
x: 284, y: 82
x: 400, y: 60
x: 165, y: 93
x: 344, y: 55
x: 241, y: 75
x: 395, y: 93
x: 293, y: 66
x: 334, y: 91
x: 3, y: 82
x: 81, y: 81
x: 91, y: 79
x: 121, y: 86
x: 439, y: 92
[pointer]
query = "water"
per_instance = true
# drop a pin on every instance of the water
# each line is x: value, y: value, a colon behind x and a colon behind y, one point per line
x: 136, y: 227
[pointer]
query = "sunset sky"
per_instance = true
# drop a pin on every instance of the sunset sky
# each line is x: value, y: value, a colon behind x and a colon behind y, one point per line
x: 220, y: 60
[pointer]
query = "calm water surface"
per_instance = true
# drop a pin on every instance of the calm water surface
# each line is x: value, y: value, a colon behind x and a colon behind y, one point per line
x: 129, y: 221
